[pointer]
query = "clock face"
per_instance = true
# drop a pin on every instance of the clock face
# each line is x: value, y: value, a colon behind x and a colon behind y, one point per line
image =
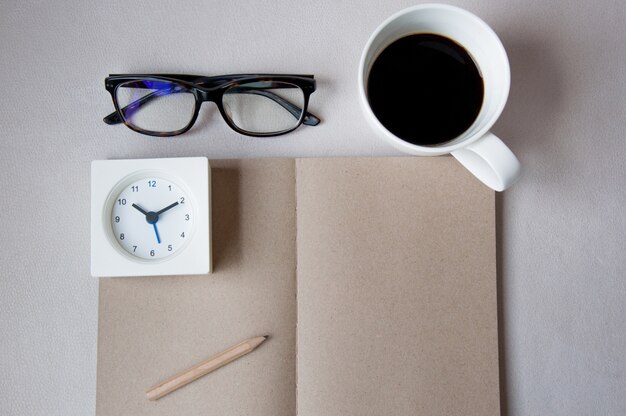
x: 152, y: 218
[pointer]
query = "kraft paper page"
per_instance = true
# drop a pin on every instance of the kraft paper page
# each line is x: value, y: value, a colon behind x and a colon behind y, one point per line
x: 151, y: 328
x: 397, y: 309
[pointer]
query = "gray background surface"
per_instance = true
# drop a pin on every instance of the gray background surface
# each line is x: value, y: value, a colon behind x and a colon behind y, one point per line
x: 562, y: 227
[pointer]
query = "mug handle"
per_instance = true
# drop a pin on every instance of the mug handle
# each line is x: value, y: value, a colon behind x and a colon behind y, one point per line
x: 491, y: 161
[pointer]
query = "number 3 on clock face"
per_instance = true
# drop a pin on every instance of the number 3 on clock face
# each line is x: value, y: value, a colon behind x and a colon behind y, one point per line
x: 152, y: 218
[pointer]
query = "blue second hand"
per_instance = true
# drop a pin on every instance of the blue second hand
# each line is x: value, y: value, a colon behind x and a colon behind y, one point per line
x: 157, y: 233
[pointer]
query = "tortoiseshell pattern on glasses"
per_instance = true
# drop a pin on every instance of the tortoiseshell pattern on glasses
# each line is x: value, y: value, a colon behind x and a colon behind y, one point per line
x: 212, y: 89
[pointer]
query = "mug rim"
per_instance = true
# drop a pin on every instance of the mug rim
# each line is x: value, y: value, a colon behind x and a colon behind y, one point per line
x: 459, y: 141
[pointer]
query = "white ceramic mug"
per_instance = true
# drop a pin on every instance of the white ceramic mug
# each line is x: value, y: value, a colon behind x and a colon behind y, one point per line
x: 479, y: 150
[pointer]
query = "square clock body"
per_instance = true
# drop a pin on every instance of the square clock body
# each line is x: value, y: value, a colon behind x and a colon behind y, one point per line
x: 150, y: 217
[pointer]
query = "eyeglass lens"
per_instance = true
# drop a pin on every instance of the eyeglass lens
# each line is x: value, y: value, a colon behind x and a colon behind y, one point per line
x: 157, y: 106
x: 264, y: 106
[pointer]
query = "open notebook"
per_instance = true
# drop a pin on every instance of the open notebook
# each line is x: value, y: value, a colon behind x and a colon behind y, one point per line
x: 374, y: 277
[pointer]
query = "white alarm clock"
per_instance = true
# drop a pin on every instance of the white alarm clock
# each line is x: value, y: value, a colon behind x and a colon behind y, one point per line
x: 150, y: 217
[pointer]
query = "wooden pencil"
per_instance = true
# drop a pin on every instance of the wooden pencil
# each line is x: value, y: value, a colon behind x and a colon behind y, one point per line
x: 205, y: 367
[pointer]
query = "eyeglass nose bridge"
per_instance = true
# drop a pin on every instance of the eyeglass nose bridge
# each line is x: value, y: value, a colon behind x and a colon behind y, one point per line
x: 204, y: 95
x: 209, y: 95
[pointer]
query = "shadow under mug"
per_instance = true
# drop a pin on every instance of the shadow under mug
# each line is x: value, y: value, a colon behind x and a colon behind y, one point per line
x: 480, y: 151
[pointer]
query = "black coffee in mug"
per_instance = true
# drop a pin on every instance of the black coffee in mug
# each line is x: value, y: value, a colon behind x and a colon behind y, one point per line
x: 425, y: 89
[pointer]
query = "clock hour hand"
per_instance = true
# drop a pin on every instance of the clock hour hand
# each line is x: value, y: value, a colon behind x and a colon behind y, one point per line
x: 166, y: 208
x: 138, y: 208
x: 151, y: 217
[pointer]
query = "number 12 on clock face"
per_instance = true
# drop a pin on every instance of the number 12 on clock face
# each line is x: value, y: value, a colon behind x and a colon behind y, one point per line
x: 152, y: 218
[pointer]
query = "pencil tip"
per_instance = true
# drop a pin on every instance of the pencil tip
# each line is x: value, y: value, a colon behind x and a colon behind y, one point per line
x: 266, y: 337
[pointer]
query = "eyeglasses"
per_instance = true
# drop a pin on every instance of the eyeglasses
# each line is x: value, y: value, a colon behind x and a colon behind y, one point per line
x: 254, y: 105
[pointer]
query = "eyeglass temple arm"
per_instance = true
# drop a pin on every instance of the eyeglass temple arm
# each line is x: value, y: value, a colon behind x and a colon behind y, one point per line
x: 113, y: 118
x: 309, y: 119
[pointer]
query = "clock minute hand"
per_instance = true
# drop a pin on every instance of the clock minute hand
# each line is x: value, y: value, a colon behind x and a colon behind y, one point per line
x: 166, y: 208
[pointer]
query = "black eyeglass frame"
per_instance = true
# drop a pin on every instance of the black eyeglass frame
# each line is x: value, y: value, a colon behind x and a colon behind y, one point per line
x: 212, y: 89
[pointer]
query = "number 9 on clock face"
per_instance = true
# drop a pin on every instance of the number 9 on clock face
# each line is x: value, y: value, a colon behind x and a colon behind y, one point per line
x: 152, y: 218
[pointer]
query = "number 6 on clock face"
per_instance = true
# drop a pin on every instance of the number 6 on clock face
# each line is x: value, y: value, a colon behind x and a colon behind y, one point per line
x: 152, y: 218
